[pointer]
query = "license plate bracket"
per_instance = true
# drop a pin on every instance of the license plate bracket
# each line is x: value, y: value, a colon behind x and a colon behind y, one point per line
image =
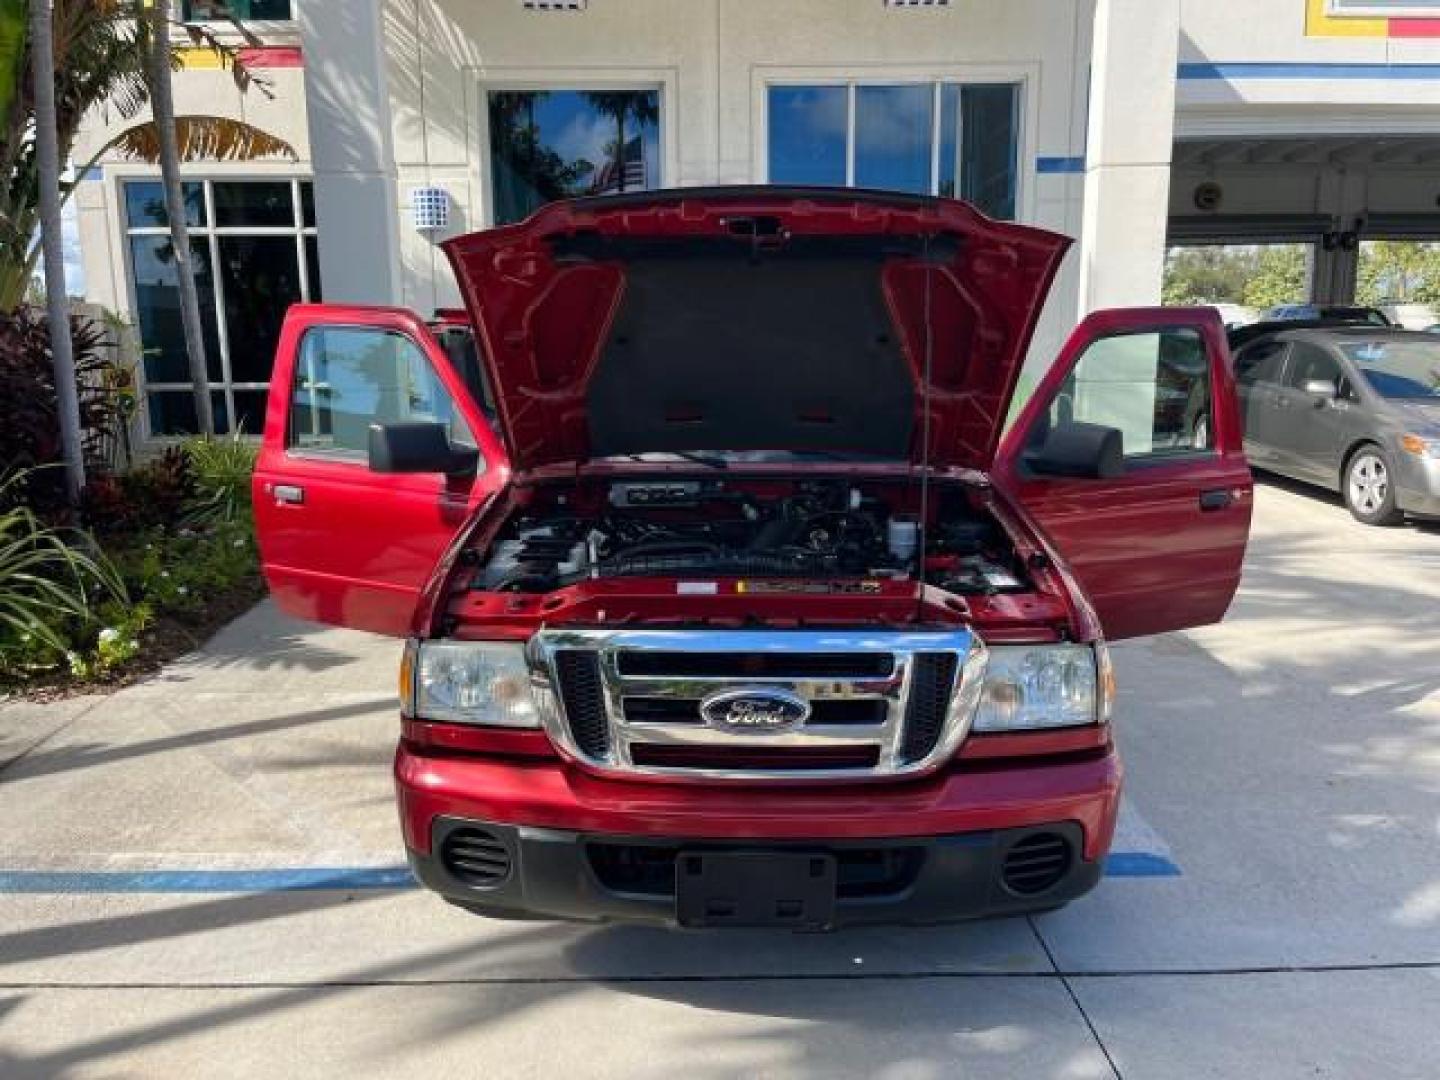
x: 794, y: 889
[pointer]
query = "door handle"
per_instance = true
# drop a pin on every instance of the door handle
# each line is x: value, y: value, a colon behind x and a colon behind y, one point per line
x: 1216, y: 499
x: 289, y: 494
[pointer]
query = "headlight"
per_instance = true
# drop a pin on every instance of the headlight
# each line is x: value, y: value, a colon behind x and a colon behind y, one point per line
x: 468, y: 682
x: 1418, y: 444
x: 1031, y: 687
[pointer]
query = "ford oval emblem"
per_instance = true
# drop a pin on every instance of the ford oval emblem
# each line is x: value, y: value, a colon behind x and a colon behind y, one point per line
x: 755, y: 712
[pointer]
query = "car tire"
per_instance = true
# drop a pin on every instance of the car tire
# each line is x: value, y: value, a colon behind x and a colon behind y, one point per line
x: 1369, y: 487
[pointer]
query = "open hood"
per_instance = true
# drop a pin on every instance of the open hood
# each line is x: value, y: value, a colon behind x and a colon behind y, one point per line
x: 753, y: 319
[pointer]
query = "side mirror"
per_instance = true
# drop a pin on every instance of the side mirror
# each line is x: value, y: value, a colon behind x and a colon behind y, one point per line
x: 1087, y: 451
x: 1322, y: 390
x: 419, y: 447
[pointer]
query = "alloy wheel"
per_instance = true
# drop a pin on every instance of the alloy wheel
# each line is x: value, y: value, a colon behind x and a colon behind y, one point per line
x: 1369, y: 483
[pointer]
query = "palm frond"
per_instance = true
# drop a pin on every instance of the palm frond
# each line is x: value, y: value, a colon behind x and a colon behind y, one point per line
x: 203, y: 138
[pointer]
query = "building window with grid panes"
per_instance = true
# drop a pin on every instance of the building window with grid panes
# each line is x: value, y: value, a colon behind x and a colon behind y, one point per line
x: 959, y: 140
x: 263, y: 10
x: 255, y: 253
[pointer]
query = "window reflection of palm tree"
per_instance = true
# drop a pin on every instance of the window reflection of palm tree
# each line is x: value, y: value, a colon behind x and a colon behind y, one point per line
x: 621, y: 105
x: 517, y: 146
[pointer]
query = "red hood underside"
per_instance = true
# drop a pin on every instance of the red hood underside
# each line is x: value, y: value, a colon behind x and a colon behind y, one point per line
x: 755, y: 319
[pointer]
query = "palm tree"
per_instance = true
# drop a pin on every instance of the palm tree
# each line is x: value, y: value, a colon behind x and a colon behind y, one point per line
x: 162, y: 104
x: 105, y: 60
x: 47, y: 152
x: 620, y: 105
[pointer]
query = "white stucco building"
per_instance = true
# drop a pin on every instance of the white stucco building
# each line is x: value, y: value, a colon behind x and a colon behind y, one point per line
x: 1131, y: 125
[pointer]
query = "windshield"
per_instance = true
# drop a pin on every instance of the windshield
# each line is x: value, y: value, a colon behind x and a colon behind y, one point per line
x: 1398, y: 369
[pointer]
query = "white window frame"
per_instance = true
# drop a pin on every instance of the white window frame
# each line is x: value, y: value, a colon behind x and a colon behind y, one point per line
x: 212, y: 233
x: 1350, y: 9
x: 521, y: 80
x: 1024, y: 78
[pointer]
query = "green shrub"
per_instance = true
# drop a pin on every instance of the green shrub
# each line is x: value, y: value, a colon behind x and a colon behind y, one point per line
x: 53, y: 583
x: 221, y: 469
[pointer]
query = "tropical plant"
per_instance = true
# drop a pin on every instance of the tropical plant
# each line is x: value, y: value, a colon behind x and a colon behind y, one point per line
x: 48, y: 577
x: 221, y: 469
x: 29, y: 436
x: 100, y: 65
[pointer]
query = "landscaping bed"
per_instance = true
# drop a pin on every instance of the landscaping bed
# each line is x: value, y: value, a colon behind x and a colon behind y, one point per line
x: 166, y: 557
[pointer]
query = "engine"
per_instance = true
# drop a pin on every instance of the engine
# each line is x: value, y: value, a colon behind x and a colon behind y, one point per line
x: 813, y: 529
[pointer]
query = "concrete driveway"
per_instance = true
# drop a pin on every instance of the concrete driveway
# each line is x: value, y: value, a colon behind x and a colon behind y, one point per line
x: 1276, y: 911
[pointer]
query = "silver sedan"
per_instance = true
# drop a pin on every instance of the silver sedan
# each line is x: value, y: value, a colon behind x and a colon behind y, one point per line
x: 1353, y: 409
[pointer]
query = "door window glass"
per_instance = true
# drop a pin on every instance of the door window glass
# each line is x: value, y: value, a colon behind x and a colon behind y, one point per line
x: 1154, y: 387
x: 1259, y: 363
x: 557, y: 144
x: 351, y: 377
x: 1310, y: 363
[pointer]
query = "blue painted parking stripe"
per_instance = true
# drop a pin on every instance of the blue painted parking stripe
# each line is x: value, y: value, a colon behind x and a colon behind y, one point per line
x: 1132, y: 864
x: 1139, y: 864
x: 205, y: 881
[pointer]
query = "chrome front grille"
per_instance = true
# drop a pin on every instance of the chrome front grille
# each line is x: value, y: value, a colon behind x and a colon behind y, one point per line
x: 878, y: 704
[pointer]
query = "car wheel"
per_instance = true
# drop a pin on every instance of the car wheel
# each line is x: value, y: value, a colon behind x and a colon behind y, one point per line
x: 1370, y: 488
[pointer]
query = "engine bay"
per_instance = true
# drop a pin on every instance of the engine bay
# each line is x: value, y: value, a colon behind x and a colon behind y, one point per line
x: 812, y: 529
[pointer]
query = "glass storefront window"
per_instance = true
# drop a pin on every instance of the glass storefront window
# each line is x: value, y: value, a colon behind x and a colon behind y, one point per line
x: 893, y: 134
x: 807, y: 134
x: 980, y: 145
x: 267, y: 204
x: 255, y: 253
x: 889, y: 136
x: 207, y: 10
x: 556, y: 144
x: 145, y: 205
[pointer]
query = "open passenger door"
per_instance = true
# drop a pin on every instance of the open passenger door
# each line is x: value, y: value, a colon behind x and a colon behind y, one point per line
x: 374, y: 454
x: 1129, y: 457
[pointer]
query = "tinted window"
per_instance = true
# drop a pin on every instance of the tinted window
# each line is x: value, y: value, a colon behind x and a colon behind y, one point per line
x: 240, y: 9
x: 555, y: 144
x: 980, y: 145
x: 262, y: 279
x: 266, y: 204
x: 1154, y: 387
x: 157, y: 311
x: 1311, y: 363
x: 1259, y: 363
x: 145, y: 204
x: 349, y: 378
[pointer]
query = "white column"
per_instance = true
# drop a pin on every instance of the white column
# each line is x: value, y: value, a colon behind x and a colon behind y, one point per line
x: 1131, y: 135
x: 348, y: 101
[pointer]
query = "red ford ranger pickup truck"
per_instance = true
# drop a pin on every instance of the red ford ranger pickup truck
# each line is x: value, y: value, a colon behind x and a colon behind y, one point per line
x: 727, y: 599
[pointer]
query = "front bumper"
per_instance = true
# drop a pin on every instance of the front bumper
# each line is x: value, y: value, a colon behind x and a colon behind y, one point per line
x: 1417, y: 484
x: 920, y: 880
x: 945, y: 838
